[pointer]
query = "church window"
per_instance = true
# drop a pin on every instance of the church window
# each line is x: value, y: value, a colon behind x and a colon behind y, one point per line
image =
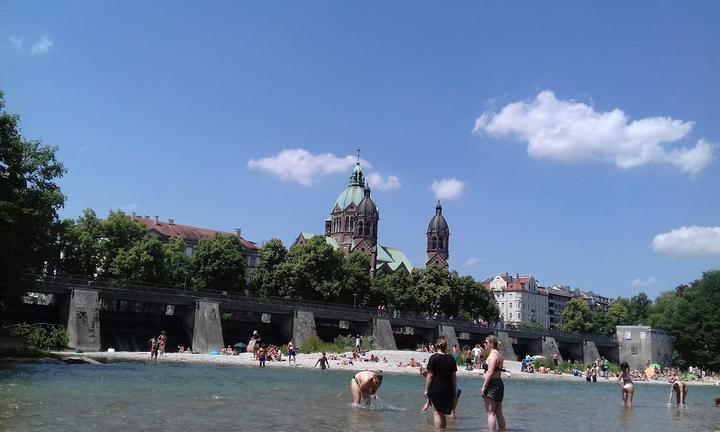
x: 369, y: 230
x: 361, y: 228
x: 347, y: 223
x: 433, y: 243
x: 352, y: 222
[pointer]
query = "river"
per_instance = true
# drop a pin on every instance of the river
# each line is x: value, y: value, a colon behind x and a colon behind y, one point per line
x: 127, y: 396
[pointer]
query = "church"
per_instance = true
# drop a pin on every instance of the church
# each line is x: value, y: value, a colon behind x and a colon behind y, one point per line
x: 353, y: 226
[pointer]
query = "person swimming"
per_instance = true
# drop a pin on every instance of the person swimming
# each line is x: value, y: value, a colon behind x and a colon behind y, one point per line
x: 626, y: 384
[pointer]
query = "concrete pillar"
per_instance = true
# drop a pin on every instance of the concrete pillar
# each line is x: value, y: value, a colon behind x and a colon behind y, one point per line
x: 303, y: 327
x: 448, y: 332
x: 506, y: 347
x: 590, y: 352
x: 207, y: 329
x: 382, y: 334
x: 83, y: 320
x: 550, y: 348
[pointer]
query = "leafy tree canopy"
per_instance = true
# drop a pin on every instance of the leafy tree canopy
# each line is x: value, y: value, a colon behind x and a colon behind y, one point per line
x: 218, y: 264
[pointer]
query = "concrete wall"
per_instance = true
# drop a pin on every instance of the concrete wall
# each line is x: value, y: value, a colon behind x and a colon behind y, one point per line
x: 590, y: 352
x: 639, y: 344
x: 448, y: 332
x: 83, y: 320
x: 383, y: 334
x: 506, y: 347
x: 550, y: 348
x: 303, y: 327
x: 207, y: 328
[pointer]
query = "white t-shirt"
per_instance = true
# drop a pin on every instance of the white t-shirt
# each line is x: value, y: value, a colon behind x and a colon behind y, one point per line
x: 476, y: 353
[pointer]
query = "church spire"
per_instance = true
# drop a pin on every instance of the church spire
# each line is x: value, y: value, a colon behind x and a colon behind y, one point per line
x: 357, y: 178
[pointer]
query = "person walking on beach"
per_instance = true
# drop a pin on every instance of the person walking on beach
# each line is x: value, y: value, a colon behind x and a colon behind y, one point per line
x: 626, y: 384
x: 364, y: 386
x: 441, y: 384
x: 323, y: 362
x: 262, y: 356
x: 493, y: 389
x: 291, y: 352
x: 605, y: 367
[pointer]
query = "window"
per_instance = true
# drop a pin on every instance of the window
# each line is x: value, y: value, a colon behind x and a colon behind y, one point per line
x: 510, y: 305
x: 643, y: 335
x: 628, y: 335
x: 633, y: 349
x: 433, y: 243
x: 510, y: 315
x: 189, y: 251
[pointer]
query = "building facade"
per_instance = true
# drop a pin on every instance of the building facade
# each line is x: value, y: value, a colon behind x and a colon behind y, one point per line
x: 438, y: 240
x: 191, y: 235
x: 639, y: 344
x: 520, y: 299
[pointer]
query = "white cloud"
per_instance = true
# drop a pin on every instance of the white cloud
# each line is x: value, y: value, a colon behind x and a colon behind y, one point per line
x: 572, y: 131
x: 376, y: 182
x: 449, y: 188
x: 18, y: 42
x: 303, y: 167
x: 640, y: 283
x: 42, y: 46
x: 693, y: 240
x: 471, y: 262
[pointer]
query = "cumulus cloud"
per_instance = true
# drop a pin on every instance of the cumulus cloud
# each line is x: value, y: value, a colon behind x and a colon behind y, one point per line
x: 377, y: 182
x: 17, y: 42
x: 449, y: 188
x: 641, y: 283
x: 692, y: 240
x: 42, y: 46
x: 572, y: 131
x: 303, y: 167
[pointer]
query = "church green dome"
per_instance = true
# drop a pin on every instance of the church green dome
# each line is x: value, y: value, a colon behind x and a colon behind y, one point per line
x: 355, y: 192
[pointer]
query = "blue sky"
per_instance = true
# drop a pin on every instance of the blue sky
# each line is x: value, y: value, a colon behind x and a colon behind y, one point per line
x: 575, y: 142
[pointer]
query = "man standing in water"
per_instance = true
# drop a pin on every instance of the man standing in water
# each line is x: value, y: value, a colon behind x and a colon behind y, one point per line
x: 323, y: 361
x: 291, y: 352
x: 364, y: 385
x: 162, y: 341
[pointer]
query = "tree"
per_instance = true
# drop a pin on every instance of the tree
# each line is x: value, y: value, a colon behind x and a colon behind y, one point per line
x: 695, y: 322
x: 80, y: 245
x: 602, y: 324
x: 29, y: 201
x: 178, y: 266
x: 662, y: 310
x: 143, y: 262
x: 619, y: 312
x: 576, y: 317
x: 311, y: 271
x: 394, y: 290
x: 639, y: 307
x: 354, y: 279
x: 218, y: 264
x: 120, y: 233
x: 434, y: 291
x: 476, y: 302
x: 263, y: 278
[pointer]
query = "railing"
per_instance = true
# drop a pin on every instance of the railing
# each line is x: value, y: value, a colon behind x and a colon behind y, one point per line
x: 160, y: 290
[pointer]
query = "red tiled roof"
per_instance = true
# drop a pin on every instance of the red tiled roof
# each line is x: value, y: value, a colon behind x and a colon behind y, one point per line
x: 516, y: 286
x: 187, y: 232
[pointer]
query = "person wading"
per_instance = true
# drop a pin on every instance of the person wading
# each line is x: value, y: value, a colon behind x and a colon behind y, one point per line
x: 493, y: 389
x: 441, y: 384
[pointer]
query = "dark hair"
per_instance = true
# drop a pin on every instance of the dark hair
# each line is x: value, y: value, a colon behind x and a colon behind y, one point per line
x: 624, y: 366
x: 441, y: 344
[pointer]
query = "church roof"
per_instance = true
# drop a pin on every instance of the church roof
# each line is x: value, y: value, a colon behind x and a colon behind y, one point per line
x: 329, y: 240
x: 354, y: 192
x: 367, y: 205
x: 393, y: 257
x: 438, y: 222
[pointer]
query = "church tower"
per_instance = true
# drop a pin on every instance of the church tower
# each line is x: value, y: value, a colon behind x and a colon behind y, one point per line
x: 438, y: 240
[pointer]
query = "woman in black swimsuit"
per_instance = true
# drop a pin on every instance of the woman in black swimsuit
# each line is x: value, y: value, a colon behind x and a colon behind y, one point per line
x: 441, y: 383
x: 493, y: 389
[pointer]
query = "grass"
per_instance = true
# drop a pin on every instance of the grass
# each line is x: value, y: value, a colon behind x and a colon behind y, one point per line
x: 340, y: 344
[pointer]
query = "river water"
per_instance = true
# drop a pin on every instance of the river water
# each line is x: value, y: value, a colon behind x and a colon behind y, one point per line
x: 171, y: 397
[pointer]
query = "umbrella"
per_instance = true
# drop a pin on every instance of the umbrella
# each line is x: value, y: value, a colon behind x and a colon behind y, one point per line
x: 240, y: 345
x: 655, y: 365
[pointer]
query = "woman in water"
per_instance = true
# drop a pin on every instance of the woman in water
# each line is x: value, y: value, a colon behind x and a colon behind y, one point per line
x: 626, y: 384
x: 441, y: 383
x: 364, y: 385
x: 677, y: 385
x: 493, y: 389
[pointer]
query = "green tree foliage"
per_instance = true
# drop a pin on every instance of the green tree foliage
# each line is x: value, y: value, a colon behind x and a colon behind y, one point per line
x: 218, y: 264
x: 695, y: 322
x: 601, y: 323
x: 263, y: 278
x: 663, y: 309
x: 178, y: 266
x: 619, y: 312
x: 143, y: 261
x: 639, y: 308
x: 29, y: 201
x: 355, y: 282
x: 80, y: 245
x: 576, y: 317
x: 312, y: 271
x: 120, y: 233
x: 394, y: 291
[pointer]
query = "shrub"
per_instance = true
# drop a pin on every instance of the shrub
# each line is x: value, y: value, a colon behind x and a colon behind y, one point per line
x: 44, y: 337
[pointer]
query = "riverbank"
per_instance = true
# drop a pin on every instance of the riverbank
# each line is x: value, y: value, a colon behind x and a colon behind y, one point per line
x: 393, y: 362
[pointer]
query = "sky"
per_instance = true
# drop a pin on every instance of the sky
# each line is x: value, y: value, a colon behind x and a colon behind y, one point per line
x: 574, y: 141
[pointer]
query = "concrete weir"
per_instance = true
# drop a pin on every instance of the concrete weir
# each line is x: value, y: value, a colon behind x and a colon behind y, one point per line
x: 590, y: 352
x: 506, y: 347
x: 303, y: 327
x: 83, y: 320
x: 207, y: 330
x: 550, y: 348
x: 448, y: 332
x: 382, y: 333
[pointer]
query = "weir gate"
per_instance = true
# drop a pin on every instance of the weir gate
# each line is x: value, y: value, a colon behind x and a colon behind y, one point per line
x: 102, y: 314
